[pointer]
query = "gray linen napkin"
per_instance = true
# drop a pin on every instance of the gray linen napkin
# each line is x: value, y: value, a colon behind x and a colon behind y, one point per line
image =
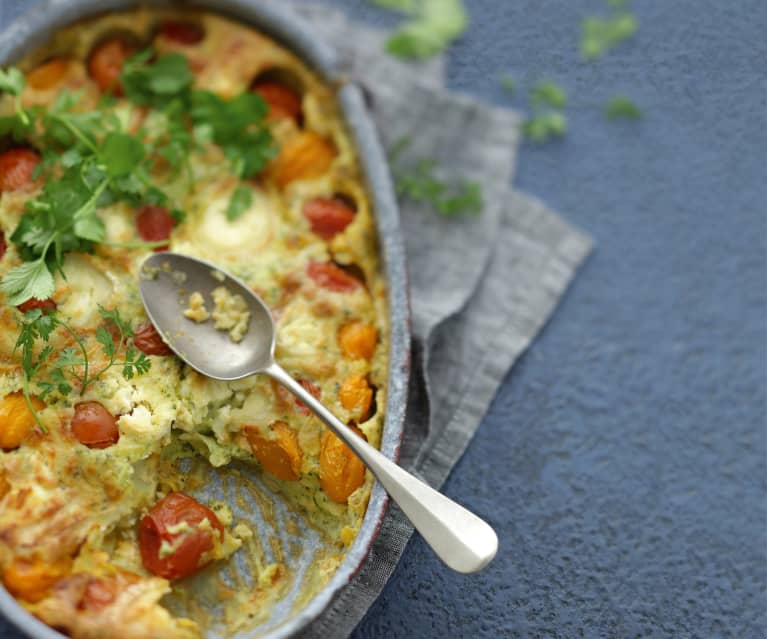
x: 482, y: 287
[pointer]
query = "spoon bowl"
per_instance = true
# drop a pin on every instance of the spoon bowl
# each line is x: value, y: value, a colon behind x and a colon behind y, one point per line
x: 462, y: 540
x: 166, y: 282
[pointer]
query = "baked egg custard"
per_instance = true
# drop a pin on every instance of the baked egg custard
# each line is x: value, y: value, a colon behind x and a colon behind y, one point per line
x: 139, y: 499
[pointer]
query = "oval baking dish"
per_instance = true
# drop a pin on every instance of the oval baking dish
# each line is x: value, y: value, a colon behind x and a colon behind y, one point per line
x: 307, y: 590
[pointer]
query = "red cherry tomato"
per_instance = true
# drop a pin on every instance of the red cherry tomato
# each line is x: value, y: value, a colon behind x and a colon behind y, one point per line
x: 148, y: 340
x: 33, y: 303
x: 313, y: 389
x: 106, y: 63
x: 16, y: 168
x: 181, y: 555
x: 94, y: 426
x: 331, y: 277
x: 283, y: 102
x: 3, y: 245
x: 328, y: 216
x: 154, y: 224
x: 182, y: 32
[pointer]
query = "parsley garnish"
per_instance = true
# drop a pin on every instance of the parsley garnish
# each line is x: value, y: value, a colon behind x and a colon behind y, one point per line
x: 599, y: 35
x: 242, y: 198
x: 419, y: 182
x: 432, y: 25
x: 548, y: 94
x: 72, y: 365
x: 620, y: 107
x: 542, y: 127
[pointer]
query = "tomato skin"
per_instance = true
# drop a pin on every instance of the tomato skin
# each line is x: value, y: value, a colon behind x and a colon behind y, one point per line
x: 182, y: 32
x: 16, y: 168
x: 328, y: 216
x: 98, y: 594
x: 3, y: 245
x: 148, y: 340
x: 313, y: 390
x: 106, y: 63
x: 154, y: 223
x: 332, y: 277
x: 190, y: 544
x: 283, y: 102
x: 32, y: 303
x: 94, y: 426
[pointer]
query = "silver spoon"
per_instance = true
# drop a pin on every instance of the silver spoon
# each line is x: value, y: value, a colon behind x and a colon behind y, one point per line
x: 461, y: 539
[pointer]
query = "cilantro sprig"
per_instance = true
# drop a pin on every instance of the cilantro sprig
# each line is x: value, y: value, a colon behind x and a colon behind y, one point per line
x: 72, y: 366
x: 419, y: 182
x: 89, y: 161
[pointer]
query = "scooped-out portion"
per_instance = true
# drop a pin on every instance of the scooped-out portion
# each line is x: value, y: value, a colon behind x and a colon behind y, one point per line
x: 138, y: 498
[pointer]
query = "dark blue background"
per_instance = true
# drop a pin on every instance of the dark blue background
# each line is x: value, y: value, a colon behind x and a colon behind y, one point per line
x: 623, y: 460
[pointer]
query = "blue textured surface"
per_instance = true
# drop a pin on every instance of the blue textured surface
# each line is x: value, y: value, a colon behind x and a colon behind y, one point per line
x: 623, y: 461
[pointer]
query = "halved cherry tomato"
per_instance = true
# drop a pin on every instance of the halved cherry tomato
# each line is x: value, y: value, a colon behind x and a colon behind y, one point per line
x: 32, y: 303
x: 313, y: 389
x: 106, y: 63
x: 3, y: 245
x: 148, y: 340
x: 154, y: 223
x: 173, y: 536
x: 48, y: 75
x: 283, y: 101
x: 328, y: 216
x: 16, y: 168
x: 94, y: 426
x: 357, y: 340
x: 331, y: 277
x: 280, y: 454
x: 306, y: 156
x: 182, y: 32
x: 16, y: 420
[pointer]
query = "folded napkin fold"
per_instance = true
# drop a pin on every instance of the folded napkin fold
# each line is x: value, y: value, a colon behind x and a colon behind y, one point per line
x: 482, y: 286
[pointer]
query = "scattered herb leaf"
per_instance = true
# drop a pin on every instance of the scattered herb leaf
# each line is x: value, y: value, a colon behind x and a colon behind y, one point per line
x: 433, y: 26
x: 543, y: 127
x: 620, y: 107
x: 242, y: 198
x: 419, y: 182
x: 548, y: 94
x: 599, y: 35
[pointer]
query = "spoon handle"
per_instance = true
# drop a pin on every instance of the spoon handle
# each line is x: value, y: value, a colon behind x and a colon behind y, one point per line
x: 462, y: 540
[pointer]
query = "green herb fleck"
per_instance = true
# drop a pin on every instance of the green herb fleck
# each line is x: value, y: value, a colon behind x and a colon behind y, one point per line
x: 599, y: 35
x: 242, y: 198
x: 419, y: 182
x: 543, y: 127
x: 432, y: 27
x: 620, y: 107
x: 548, y: 94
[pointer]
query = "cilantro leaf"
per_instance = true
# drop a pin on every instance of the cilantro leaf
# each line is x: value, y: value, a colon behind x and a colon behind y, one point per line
x: 155, y: 83
x: 543, y: 127
x: 237, y: 126
x: 11, y: 81
x: 599, y: 35
x: 242, y: 198
x: 549, y: 94
x: 121, y: 153
x: 28, y: 280
x: 620, y: 107
x: 433, y: 26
